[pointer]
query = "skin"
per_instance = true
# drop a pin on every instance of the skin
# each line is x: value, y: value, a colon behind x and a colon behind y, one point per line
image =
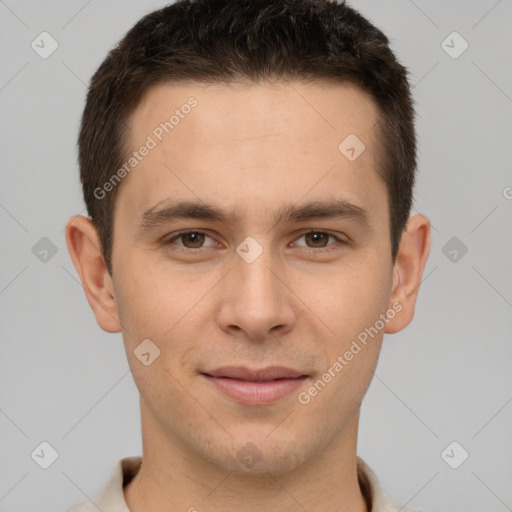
x: 251, y: 149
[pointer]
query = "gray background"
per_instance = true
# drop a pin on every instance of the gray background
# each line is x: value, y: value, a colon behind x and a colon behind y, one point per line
x: 444, y: 378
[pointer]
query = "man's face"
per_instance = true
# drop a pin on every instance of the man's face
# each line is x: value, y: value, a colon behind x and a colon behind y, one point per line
x: 284, y: 298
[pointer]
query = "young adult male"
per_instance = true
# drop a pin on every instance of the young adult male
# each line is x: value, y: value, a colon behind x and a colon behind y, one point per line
x: 248, y: 169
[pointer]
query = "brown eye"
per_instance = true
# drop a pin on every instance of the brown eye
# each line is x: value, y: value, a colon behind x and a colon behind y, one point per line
x: 317, y: 238
x: 319, y: 241
x: 189, y: 240
x: 195, y: 239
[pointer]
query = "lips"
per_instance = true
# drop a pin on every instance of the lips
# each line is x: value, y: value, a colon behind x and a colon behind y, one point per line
x: 255, y: 387
x: 264, y: 375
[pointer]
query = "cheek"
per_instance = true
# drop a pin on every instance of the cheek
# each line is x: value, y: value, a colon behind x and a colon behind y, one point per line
x: 349, y: 299
x: 351, y: 307
x: 148, y: 304
x: 167, y: 307
x: 350, y: 349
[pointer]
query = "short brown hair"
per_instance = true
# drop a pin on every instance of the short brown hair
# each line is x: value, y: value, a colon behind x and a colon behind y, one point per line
x: 209, y: 41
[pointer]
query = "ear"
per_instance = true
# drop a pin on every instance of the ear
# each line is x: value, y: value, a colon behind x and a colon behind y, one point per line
x: 84, y: 248
x: 408, y: 270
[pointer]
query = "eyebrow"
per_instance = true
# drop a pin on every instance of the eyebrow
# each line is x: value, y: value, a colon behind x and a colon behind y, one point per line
x: 154, y: 218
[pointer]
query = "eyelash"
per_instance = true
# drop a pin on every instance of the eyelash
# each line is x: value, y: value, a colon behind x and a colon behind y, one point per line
x: 326, y: 249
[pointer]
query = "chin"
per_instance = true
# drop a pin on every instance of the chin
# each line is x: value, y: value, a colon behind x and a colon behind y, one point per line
x: 259, y: 455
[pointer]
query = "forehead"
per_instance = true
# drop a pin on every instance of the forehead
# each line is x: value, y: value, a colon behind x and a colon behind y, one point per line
x: 248, y: 110
x: 248, y: 145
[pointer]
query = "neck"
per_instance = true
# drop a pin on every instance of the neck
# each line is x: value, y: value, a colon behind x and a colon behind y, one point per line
x: 173, y: 478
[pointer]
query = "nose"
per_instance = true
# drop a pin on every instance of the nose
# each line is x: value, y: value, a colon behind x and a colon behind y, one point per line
x: 256, y: 298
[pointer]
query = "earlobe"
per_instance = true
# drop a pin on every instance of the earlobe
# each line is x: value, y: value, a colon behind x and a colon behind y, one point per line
x: 408, y: 271
x: 84, y: 248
